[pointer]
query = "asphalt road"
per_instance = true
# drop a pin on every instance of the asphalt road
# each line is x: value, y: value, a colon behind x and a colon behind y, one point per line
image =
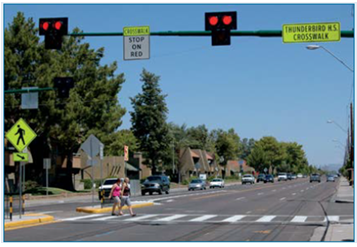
x: 283, y: 211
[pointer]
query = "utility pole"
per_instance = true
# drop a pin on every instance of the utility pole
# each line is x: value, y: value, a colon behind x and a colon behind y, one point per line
x: 352, y: 133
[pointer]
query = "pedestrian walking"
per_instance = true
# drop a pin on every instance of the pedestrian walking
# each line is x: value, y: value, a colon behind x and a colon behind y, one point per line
x: 125, y: 199
x: 115, y: 193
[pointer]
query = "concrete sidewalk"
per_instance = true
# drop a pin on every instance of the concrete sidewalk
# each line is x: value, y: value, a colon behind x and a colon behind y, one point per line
x: 338, y: 232
x: 344, y: 192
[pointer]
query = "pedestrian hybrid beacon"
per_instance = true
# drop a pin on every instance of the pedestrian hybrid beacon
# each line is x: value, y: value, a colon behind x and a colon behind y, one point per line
x: 221, y: 24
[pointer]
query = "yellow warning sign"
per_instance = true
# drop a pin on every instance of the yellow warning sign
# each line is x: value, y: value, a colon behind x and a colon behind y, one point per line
x: 21, y: 157
x: 136, y: 31
x: 20, y: 135
x: 312, y: 32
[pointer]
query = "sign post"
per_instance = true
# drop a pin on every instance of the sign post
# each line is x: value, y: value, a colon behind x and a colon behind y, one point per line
x: 136, y: 43
x: 92, y: 147
x: 46, y: 165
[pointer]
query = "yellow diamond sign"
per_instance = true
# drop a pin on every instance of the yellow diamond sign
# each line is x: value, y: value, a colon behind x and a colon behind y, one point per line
x: 20, y: 135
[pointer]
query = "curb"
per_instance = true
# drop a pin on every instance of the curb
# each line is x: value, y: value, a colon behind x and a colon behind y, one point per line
x: 109, y: 209
x: 45, y: 218
x: 343, y: 201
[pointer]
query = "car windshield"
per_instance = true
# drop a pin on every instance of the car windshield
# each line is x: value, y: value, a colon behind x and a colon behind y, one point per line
x: 269, y: 176
x: 282, y: 174
x: 216, y: 180
x: 261, y: 175
x: 247, y: 176
x: 196, y: 181
x: 315, y: 175
x: 109, y: 182
x: 154, y: 178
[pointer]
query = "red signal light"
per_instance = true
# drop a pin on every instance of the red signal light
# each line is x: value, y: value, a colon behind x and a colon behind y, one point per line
x: 45, y: 25
x: 58, y: 25
x: 227, y: 20
x: 213, y: 20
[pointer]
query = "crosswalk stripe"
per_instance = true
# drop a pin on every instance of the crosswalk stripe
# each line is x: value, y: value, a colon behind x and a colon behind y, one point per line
x: 267, y: 218
x: 332, y: 218
x: 83, y: 217
x: 174, y: 217
x: 299, y: 219
x: 203, y: 218
x: 142, y: 217
x: 110, y: 217
x: 234, y: 218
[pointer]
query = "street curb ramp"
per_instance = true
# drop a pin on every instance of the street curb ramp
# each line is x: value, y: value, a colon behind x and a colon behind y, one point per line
x: 109, y: 209
x: 42, y: 219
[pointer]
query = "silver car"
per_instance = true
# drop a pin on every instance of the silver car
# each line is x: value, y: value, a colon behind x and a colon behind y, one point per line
x: 197, y: 184
x: 248, y: 178
x: 330, y: 178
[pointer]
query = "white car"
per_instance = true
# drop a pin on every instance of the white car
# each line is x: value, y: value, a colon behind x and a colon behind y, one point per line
x: 216, y: 182
x: 107, y: 187
x: 282, y: 176
x: 248, y: 178
x: 299, y: 175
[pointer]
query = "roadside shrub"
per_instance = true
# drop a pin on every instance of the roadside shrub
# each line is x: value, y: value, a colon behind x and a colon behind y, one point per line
x: 88, y: 183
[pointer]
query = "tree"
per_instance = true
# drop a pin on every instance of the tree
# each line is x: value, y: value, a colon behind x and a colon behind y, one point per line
x: 246, y: 147
x: 257, y: 158
x: 149, y: 121
x: 61, y: 124
x: 119, y: 140
x: 226, y: 144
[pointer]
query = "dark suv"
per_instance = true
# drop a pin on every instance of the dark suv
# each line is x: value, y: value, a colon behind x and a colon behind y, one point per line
x: 155, y: 183
x: 315, y: 178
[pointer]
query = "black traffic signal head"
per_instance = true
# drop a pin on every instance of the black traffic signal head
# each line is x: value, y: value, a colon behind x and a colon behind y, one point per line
x: 53, y: 29
x: 221, y: 24
x: 63, y: 85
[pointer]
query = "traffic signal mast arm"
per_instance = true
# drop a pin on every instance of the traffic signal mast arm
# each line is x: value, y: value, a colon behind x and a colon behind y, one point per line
x: 259, y: 33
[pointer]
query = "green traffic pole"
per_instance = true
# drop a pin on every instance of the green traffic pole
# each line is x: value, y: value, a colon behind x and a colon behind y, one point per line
x: 28, y: 90
x: 259, y: 33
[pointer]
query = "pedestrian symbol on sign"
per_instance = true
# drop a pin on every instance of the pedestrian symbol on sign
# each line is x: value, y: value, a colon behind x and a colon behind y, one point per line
x: 21, y: 133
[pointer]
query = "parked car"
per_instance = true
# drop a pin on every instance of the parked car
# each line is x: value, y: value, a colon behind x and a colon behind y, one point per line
x: 216, y: 182
x: 260, y: 178
x: 197, y: 184
x: 304, y: 176
x: 248, y: 178
x: 315, y: 178
x: 293, y: 176
x: 282, y: 176
x: 289, y: 176
x: 106, y: 187
x: 330, y: 178
x: 299, y: 175
x: 269, y: 178
x: 155, y: 183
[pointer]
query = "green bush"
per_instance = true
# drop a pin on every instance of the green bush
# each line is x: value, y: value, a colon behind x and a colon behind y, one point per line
x: 31, y: 185
x: 88, y: 183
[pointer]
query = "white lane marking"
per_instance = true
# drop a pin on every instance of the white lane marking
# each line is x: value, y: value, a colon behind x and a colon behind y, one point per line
x: 203, y: 218
x: 170, y: 218
x: 169, y: 200
x: 234, y: 218
x: 283, y: 188
x: 83, y: 217
x: 249, y: 212
x: 260, y: 193
x: 142, y: 217
x: 332, y: 218
x: 282, y: 198
x: 301, y: 190
x: 267, y: 218
x: 110, y: 217
x: 273, y: 190
x: 293, y: 194
x: 185, y: 195
x: 299, y: 219
x: 240, y: 198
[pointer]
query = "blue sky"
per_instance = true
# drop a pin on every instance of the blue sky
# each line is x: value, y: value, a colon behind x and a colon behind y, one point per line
x: 258, y: 86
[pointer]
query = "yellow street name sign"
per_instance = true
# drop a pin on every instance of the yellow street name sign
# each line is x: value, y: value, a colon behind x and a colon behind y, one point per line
x: 21, y: 157
x: 20, y: 135
x: 312, y: 32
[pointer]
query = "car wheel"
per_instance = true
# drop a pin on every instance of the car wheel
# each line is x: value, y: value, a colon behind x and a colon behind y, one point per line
x: 167, y: 192
x: 204, y: 188
x: 143, y: 193
x: 160, y: 192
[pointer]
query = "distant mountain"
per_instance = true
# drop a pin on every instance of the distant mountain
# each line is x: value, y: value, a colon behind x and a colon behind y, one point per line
x: 331, y: 167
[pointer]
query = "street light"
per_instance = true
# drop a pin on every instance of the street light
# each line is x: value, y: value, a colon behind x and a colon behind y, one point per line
x: 331, y: 121
x: 315, y: 47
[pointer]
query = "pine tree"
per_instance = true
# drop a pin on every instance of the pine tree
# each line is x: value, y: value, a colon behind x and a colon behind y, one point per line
x: 149, y: 121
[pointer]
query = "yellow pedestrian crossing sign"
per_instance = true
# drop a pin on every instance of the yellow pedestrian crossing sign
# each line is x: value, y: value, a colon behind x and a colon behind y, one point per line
x: 21, y: 157
x: 20, y: 135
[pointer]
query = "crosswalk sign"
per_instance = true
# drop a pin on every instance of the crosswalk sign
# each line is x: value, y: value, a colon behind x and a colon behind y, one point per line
x: 21, y: 157
x: 20, y: 135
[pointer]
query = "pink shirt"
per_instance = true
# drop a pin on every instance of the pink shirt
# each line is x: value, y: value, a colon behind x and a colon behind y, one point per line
x: 116, y: 191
